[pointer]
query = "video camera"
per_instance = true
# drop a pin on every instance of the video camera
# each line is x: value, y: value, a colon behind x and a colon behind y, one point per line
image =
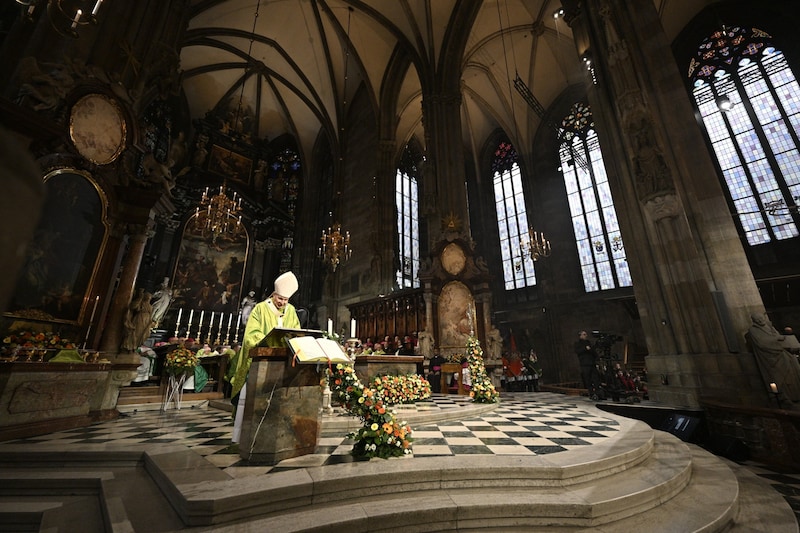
x: 603, y: 343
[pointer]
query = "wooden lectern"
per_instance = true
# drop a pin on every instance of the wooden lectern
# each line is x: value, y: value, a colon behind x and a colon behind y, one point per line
x: 282, y: 417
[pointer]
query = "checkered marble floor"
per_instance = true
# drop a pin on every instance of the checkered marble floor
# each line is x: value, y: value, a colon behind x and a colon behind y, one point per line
x: 523, y: 424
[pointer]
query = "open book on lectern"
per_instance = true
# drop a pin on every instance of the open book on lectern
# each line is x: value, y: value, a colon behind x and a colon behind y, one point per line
x: 280, y: 336
x: 317, y: 350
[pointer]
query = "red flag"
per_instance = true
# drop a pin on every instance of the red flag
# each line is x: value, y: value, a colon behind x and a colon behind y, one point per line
x: 512, y: 341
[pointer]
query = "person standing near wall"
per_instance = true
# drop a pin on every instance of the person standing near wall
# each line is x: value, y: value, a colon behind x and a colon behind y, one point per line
x: 587, y: 359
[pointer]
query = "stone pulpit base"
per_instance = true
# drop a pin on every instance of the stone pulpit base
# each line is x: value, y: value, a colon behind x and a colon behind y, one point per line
x: 282, y: 416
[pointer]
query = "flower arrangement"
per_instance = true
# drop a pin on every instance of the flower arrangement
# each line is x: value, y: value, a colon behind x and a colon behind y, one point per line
x: 483, y: 390
x: 395, y: 390
x: 455, y: 358
x: 180, y: 360
x: 381, y: 435
x: 27, y: 340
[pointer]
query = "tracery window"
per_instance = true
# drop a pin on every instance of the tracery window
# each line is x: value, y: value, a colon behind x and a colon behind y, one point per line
x: 749, y: 102
x: 512, y: 218
x: 407, y: 200
x: 594, y: 218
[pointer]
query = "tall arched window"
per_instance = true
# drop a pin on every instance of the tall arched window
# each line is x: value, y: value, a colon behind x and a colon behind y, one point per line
x: 512, y: 218
x: 749, y: 101
x: 407, y: 200
x: 594, y: 219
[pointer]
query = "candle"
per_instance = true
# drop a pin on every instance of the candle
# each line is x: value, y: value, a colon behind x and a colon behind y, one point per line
x: 774, y: 388
x: 211, y: 324
x: 352, y: 328
x: 330, y: 326
x: 94, y: 310
x: 229, y: 320
x: 191, y: 316
x: 202, y: 314
x: 238, y: 319
x: 96, y: 7
x: 178, y: 322
x: 76, y: 19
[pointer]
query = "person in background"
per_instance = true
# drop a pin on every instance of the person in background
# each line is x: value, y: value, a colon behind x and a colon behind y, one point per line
x: 274, y: 312
x: 587, y: 359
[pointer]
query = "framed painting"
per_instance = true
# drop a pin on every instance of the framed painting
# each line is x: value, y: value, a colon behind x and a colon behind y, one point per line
x: 210, y: 270
x: 229, y: 164
x: 63, y: 256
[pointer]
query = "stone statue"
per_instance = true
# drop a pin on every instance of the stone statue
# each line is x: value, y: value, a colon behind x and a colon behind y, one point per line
x: 138, y: 321
x: 494, y: 343
x: 425, y: 343
x: 162, y: 298
x: 248, y: 303
x: 777, y: 365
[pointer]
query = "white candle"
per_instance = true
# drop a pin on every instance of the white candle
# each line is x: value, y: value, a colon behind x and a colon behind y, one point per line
x: 202, y: 314
x: 330, y: 326
x: 191, y: 316
x: 230, y: 318
x: 178, y: 322
x: 94, y: 310
x: 352, y: 328
x: 211, y: 324
x: 774, y: 388
x: 238, y: 319
x: 76, y: 19
x: 96, y: 7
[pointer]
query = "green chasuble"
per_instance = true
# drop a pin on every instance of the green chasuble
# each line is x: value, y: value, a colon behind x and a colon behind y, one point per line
x: 262, y: 320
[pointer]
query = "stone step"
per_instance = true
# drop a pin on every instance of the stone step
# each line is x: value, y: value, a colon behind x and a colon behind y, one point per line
x: 675, y: 489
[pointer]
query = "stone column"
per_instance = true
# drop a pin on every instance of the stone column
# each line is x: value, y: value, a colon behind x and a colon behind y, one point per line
x: 384, y: 226
x: 112, y: 337
x: 444, y: 169
x: 693, y: 285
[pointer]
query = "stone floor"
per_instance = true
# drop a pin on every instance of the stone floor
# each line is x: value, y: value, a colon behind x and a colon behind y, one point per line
x: 523, y: 424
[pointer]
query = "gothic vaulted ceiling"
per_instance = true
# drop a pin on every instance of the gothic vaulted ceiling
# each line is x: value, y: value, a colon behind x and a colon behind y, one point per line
x: 296, y: 64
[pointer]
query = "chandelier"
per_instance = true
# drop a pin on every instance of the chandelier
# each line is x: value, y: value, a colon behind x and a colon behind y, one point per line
x: 64, y: 15
x: 219, y: 215
x: 335, y: 247
x: 535, y: 245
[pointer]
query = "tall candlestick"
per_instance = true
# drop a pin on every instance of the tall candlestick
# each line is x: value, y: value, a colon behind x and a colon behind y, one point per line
x: 91, y: 320
x: 238, y: 321
x: 352, y: 328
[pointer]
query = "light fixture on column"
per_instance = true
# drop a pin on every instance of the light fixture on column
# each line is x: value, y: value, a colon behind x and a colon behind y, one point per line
x: 65, y: 16
x: 335, y: 248
x: 218, y: 215
x: 534, y: 244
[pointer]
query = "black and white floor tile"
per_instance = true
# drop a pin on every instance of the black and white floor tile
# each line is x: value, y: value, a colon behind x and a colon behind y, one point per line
x: 524, y: 424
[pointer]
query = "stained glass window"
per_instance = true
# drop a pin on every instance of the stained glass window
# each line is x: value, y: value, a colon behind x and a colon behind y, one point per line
x: 512, y: 218
x: 755, y: 137
x: 594, y: 218
x: 407, y: 199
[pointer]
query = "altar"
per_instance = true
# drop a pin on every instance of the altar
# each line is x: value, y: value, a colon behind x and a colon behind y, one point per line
x: 369, y: 366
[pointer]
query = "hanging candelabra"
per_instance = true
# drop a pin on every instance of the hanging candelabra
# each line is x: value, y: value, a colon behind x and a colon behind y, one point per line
x: 534, y: 244
x: 219, y: 215
x: 65, y: 16
x: 335, y: 247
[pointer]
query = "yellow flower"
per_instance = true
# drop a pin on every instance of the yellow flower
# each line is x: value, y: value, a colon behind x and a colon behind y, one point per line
x: 374, y: 427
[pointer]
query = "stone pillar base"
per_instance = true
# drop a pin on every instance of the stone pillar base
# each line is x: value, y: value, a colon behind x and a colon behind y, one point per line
x: 682, y: 380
